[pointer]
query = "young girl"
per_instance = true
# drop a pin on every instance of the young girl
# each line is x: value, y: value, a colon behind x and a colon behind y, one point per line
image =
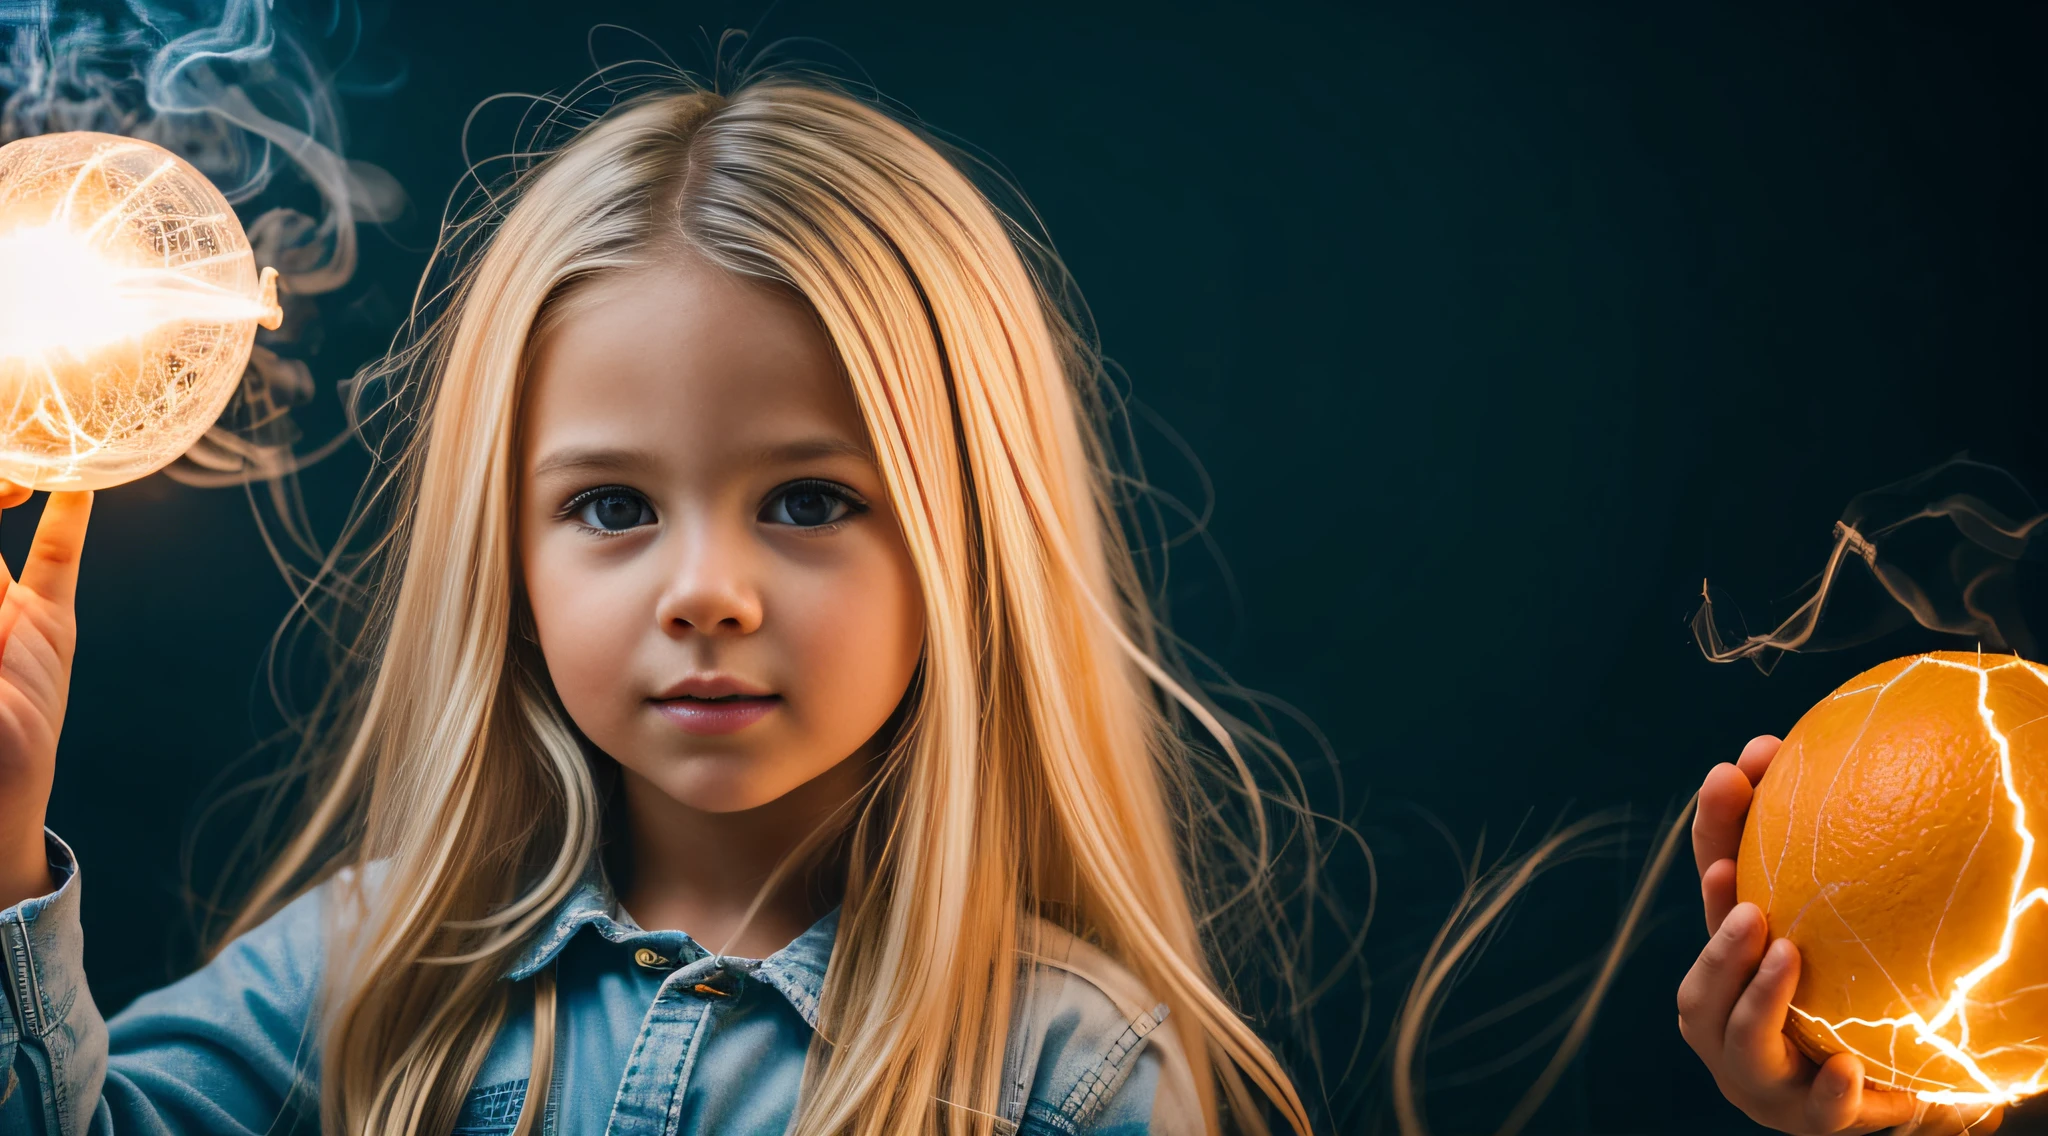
x: 764, y: 731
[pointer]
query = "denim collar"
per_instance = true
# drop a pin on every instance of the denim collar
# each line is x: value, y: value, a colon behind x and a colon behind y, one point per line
x: 797, y: 971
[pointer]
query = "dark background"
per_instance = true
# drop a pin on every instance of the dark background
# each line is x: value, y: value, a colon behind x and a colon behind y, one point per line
x: 1496, y: 326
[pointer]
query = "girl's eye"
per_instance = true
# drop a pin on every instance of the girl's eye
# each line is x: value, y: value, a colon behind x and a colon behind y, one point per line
x: 811, y: 504
x: 613, y: 510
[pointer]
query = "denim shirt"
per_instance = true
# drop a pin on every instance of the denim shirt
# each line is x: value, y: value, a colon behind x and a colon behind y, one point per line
x: 656, y: 1037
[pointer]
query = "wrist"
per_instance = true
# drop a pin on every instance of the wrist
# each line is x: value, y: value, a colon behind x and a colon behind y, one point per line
x: 25, y: 868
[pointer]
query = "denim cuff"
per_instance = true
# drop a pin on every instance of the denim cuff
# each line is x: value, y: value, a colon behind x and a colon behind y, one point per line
x: 53, y: 1043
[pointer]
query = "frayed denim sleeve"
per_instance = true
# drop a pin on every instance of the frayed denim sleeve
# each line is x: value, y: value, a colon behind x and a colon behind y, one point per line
x: 228, y: 1049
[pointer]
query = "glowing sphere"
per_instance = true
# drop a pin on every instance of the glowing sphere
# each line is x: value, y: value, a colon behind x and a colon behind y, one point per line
x: 1897, y: 840
x: 129, y: 302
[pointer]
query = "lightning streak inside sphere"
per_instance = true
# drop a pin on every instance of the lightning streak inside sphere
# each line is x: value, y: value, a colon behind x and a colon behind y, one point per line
x: 1947, y: 1030
x: 62, y: 293
x: 128, y: 300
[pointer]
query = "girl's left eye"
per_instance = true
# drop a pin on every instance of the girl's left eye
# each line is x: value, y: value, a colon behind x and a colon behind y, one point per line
x: 612, y: 510
x: 811, y: 504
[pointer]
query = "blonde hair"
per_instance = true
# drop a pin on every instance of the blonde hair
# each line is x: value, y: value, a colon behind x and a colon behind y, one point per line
x: 1039, y: 773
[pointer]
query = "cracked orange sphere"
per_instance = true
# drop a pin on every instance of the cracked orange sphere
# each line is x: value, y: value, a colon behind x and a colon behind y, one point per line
x: 1897, y: 840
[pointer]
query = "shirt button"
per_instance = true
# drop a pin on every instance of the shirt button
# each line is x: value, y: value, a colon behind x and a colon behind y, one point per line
x: 649, y: 959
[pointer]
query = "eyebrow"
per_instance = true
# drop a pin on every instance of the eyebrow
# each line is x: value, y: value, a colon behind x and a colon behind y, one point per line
x: 608, y: 459
x: 808, y: 449
x: 592, y: 460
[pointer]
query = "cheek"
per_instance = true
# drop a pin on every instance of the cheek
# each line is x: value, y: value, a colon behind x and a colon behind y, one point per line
x: 585, y: 637
x: 859, y: 640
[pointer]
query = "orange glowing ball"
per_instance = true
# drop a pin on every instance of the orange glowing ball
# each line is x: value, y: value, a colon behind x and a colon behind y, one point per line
x: 1897, y: 840
x: 129, y: 302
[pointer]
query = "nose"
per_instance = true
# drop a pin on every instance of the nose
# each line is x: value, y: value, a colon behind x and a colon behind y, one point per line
x: 711, y: 588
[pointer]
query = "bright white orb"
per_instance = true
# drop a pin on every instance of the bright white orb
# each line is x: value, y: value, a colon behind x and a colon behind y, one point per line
x: 129, y: 301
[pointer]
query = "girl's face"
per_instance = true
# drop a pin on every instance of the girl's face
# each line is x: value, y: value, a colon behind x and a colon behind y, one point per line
x: 723, y: 598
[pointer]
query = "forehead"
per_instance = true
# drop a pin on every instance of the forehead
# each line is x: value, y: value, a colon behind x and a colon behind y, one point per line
x: 684, y: 359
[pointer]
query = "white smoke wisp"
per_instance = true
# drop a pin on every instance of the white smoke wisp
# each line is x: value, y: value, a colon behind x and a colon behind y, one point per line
x: 237, y: 89
x: 1944, y: 548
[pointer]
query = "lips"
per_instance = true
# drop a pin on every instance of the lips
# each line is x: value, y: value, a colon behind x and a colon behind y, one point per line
x: 714, y: 686
x: 715, y: 704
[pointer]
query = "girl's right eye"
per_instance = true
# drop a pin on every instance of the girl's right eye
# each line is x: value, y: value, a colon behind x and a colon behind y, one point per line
x: 611, y: 509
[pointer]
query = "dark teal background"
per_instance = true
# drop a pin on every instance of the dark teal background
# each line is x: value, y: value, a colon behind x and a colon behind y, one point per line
x: 1496, y: 326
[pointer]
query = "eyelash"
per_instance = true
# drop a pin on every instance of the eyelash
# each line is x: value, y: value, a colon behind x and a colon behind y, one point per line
x: 575, y: 505
x: 855, y: 505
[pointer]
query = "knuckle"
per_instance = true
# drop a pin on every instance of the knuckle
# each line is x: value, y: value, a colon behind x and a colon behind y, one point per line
x: 1714, y: 958
x: 1688, y: 1001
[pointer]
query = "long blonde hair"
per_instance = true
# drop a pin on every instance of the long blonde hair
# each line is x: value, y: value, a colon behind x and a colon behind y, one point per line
x: 1040, y: 773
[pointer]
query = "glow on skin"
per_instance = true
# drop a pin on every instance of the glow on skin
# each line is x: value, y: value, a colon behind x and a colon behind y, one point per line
x: 721, y: 592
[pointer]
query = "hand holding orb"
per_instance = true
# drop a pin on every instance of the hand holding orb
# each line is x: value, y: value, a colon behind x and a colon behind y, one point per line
x: 1895, y: 840
x: 129, y: 302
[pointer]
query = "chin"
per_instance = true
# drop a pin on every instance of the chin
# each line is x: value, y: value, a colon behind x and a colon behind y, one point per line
x: 717, y: 785
x: 732, y: 799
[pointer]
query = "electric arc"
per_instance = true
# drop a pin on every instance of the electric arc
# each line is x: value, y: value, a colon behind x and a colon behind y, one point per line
x: 129, y: 302
x: 1896, y: 840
